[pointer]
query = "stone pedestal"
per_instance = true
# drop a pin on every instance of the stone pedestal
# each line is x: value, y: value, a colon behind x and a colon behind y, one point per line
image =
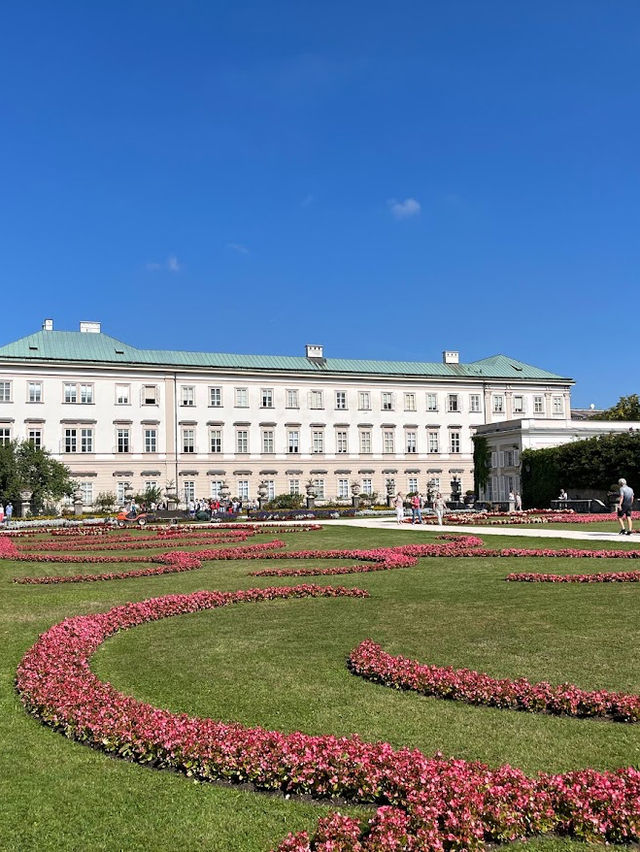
x: 77, y: 508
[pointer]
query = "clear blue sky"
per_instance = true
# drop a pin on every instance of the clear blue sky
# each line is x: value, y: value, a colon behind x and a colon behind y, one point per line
x: 388, y: 179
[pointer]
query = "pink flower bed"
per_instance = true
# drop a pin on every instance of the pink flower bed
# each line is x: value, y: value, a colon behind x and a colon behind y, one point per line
x: 530, y: 516
x: 601, y: 577
x: 424, y: 803
x: 369, y: 661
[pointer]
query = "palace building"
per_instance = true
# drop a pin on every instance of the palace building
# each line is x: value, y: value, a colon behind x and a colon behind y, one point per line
x: 190, y: 422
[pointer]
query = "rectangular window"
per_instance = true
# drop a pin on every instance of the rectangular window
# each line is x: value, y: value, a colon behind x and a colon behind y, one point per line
x: 267, y: 441
x: 150, y: 484
x: 558, y: 405
x: 215, y: 397
x: 317, y: 441
x: 122, y: 441
x: 412, y: 484
x: 342, y: 441
x: 34, y: 436
x: 409, y: 402
x: 518, y: 404
x: 71, y: 440
x: 149, y: 395
x: 538, y: 405
x: 216, y: 485
x: 70, y: 393
x: 293, y: 441
x: 433, y: 442
x: 243, y: 489
x: 315, y: 399
x: 86, y: 493
x: 432, y: 402
x: 5, y: 436
x: 474, y: 403
x: 454, y: 442
x: 35, y: 391
x: 498, y: 404
x: 294, y: 486
x: 343, y: 488
x: 388, y: 442
x: 86, y: 394
x: 187, y: 395
x: 341, y: 400
x: 452, y: 402
x: 411, y: 441
x: 365, y: 441
x: 86, y: 440
x: 266, y: 398
x: 150, y: 440
x: 367, y: 486
x: 242, y: 441
x: 242, y: 397
x: 121, y: 487
x: 292, y: 398
x: 189, y: 487
x: 387, y: 401
x: 122, y: 394
x: 318, y: 485
x: 271, y: 489
x: 364, y: 400
x: 5, y: 391
x: 215, y: 441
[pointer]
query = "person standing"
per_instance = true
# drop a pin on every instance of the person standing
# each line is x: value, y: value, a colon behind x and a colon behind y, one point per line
x: 625, y: 503
x: 399, y: 506
x: 439, y: 507
x: 8, y: 511
x: 518, y: 501
x: 416, y: 514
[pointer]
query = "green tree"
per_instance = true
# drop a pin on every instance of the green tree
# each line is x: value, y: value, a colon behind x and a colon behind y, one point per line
x: 25, y: 467
x: 626, y: 408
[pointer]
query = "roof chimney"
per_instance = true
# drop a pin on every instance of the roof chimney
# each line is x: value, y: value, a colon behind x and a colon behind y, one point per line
x: 314, y: 350
x: 89, y: 327
x: 449, y: 356
x: 47, y: 325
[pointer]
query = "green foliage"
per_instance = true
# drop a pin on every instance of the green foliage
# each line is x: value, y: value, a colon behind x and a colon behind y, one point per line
x: 626, y: 408
x: 150, y: 495
x: 105, y: 501
x: 285, y: 501
x: 481, y: 462
x: 25, y: 467
x: 594, y: 463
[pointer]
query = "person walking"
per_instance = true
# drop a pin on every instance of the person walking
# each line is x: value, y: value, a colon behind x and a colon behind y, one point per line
x: 399, y: 506
x: 625, y: 503
x: 518, y: 501
x: 439, y: 507
x: 416, y: 513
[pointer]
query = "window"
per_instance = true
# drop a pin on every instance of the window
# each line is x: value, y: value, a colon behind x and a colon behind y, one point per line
x: 121, y: 487
x: 364, y: 400
x: 71, y: 440
x: 432, y: 402
x: 365, y: 441
x: 242, y: 441
x: 34, y: 436
x: 70, y: 393
x: 122, y: 394
x: 411, y: 442
x: 243, y: 489
x: 122, y: 441
x: 558, y: 405
x: 242, y: 397
x: 189, y: 487
x: 5, y: 436
x: 433, y: 442
x: 341, y: 441
x: 86, y: 493
x: 454, y: 442
x: 315, y: 399
x: 149, y: 395
x: 35, y: 391
x: 317, y: 441
x: 271, y: 488
x: 267, y: 441
x: 216, y: 485
x: 412, y: 484
x: 266, y: 398
x: 367, y: 486
x: 434, y: 483
x: 518, y: 404
x: 5, y: 391
x: 215, y: 397
x: 538, y: 405
x: 292, y: 398
x: 341, y: 400
x: 498, y: 404
x: 86, y: 440
x: 387, y: 401
x: 343, y: 488
x: 215, y: 441
x: 187, y: 395
x: 86, y: 394
x: 409, y: 402
x: 318, y: 485
x: 150, y: 484
x: 452, y: 402
x: 151, y: 440
x: 294, y: 486
x: 474, y: 402
x: 293, y: 441
x: 388, y: 442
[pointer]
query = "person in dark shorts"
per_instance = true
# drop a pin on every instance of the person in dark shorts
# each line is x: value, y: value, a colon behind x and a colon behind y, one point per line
x: 625, y: 502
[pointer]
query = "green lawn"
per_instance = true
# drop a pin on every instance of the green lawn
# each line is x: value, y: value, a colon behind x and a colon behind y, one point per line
x: 282, y: 665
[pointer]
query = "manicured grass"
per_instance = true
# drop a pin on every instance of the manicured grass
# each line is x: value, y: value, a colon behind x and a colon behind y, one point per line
x: 282, y: 665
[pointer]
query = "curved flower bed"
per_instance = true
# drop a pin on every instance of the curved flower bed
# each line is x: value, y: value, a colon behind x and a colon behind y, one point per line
x: 372, y: 663
x: 424, y: 803
x: 601, y: 577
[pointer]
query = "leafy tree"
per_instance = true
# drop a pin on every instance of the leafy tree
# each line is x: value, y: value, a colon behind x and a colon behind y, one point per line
x: 25, y: 467
x: 105, y: 501
x: 626, y: 408
x: 151, y: 495
x: 285, y: 501
x: 481, y: 462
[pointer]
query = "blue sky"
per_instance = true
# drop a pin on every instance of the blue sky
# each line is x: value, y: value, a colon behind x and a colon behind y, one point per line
x: 388, y: 179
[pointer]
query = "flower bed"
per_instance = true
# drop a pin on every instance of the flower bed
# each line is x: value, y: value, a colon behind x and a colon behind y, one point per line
x: 601, y: 577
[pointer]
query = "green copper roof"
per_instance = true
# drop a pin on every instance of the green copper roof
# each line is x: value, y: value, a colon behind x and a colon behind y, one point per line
x: 73, y: 346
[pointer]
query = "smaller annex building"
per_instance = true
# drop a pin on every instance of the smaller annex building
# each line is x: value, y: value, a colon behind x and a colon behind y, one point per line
x: 204, y: 423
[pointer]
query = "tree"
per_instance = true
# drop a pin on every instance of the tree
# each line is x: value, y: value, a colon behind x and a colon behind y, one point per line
x: 626, y: 408
x: 25, y: 467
